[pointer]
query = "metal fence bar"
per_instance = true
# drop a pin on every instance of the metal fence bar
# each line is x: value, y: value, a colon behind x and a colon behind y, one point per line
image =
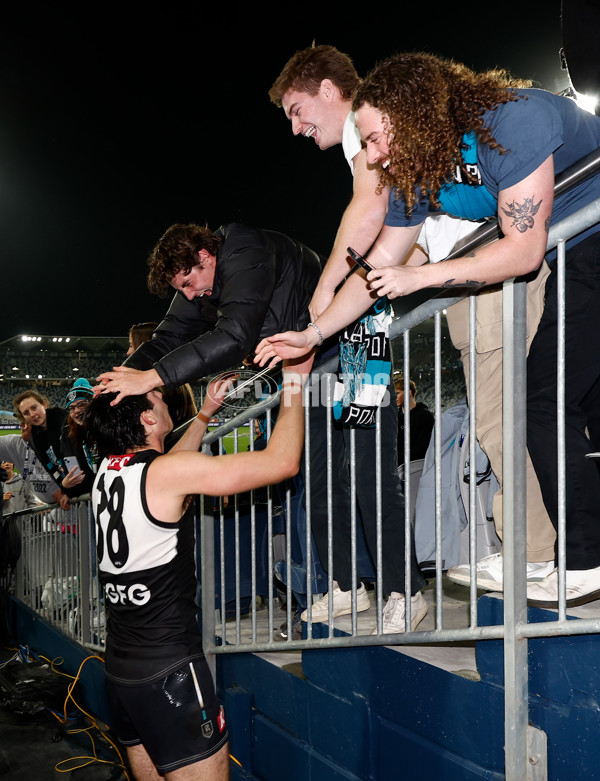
x: 438, y: 472
x: 514, y: 532
x: 560, y: 423
x: 472, y: 380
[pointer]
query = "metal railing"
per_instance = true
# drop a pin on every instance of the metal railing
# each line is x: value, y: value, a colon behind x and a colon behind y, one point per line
x: 56, y: 574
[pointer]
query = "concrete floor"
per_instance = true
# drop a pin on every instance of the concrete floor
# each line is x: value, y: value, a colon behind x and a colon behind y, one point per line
x: 36, y: 748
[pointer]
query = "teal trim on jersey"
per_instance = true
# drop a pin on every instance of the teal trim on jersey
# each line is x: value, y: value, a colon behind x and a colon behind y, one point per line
x: 473, y: 202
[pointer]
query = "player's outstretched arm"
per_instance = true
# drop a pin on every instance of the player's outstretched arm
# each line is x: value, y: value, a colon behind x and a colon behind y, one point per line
x: 179, y: 474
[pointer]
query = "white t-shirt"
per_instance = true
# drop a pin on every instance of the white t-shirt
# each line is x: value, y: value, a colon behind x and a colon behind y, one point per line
x: 440, y: 232
x: 351, y: 143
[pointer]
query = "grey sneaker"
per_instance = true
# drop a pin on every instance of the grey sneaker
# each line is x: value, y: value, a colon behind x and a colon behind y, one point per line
x: 342, y: 604
x: 394, y: 613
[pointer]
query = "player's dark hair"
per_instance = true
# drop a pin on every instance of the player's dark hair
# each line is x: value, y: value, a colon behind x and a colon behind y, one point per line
x: 114, y: 430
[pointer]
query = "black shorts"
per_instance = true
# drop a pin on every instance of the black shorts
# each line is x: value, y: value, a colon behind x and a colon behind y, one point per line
x: 178, y: 719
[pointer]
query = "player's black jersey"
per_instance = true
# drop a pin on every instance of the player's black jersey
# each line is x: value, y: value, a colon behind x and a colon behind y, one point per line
x: 147, y: 569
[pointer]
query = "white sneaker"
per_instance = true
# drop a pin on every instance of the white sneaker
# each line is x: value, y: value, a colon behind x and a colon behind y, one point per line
x: 583, y: 586
x: 342, y: 604
x: 489, y: 572
x: 538, y: 570
x: 394, y: 613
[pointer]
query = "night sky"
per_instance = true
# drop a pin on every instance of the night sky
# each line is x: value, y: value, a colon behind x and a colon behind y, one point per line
x: 114, y: 125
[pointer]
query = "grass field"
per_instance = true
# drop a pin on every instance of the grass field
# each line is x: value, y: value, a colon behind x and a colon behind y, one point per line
x: 228, y: 440
x: 243, y: 440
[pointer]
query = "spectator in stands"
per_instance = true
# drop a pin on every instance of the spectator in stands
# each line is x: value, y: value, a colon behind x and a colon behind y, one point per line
x: 418, y: 115
x: 421, y: 422
x: 17, y: 449
x: 180, y: 400
x: 154, y: 647
x: 50, y: 439
x: 304, y: 90
x: 18, y: 495
x: 315, y: 90
x: 3, y: 477
x: 10, y: 533
x: 140, y: 333
x: 46, y: 427
x: 74, y: 449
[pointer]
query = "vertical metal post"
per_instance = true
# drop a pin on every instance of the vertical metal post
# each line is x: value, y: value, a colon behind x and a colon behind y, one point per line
x: 514, y: 386
x: 472, y: 380
x: 437, y: 323
x: 408, y: 521
x: 560, y: 433
x: 84, y: 522
x: 206, y: 551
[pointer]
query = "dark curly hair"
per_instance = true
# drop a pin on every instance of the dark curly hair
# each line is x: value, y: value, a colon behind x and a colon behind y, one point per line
x: 114, y: 430
x: 428, y: 103
x: 177, y: 250
x: 308, y: 67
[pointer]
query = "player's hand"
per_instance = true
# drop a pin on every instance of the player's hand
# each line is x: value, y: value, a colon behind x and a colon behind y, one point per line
x: 216, y: 392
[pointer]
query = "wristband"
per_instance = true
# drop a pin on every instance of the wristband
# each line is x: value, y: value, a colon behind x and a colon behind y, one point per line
x: 319, y: 334
x: 202, y: 416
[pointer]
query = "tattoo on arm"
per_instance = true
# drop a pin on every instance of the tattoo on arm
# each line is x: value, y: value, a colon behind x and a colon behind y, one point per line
x: 547, y: 224
x: 522, y: 213
x: 468, y: 283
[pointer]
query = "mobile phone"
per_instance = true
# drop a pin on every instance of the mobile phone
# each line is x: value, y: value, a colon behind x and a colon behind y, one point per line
x: 358, y: 259
x: 70, y: 462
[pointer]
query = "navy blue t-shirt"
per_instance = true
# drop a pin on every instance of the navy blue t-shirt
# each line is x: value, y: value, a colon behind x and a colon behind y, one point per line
x: 530, y: 131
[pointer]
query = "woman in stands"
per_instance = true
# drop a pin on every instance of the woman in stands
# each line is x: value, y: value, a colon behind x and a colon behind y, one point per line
x: 57, y: 436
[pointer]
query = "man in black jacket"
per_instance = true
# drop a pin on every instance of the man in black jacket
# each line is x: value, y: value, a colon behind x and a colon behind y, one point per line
x: 233, y: 287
